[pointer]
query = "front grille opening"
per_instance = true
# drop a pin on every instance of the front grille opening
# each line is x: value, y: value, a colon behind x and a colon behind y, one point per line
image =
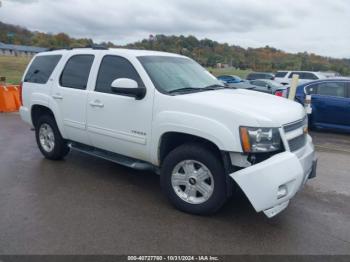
x: 297, y: 143
x: 293, y: 126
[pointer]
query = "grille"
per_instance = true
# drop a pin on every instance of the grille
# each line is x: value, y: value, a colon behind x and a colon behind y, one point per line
x: 299, y: 141
x: 293, y: 126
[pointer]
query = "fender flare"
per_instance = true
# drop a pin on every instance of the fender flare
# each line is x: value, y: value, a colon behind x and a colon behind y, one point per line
x: 39, y: 99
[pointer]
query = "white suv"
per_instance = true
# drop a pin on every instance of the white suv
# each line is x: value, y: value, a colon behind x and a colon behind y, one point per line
x: 285, y: 77
x: 164, y: 112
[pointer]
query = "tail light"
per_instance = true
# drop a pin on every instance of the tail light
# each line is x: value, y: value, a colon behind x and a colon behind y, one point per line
x: 20, y: 93
x: 279, y: 93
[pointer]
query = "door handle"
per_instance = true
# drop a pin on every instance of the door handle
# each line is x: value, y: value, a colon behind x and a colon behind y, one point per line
x: 57, y: 96
x: 96, y: 103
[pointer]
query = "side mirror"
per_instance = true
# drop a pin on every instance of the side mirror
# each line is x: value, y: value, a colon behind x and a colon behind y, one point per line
x: 128, y: 87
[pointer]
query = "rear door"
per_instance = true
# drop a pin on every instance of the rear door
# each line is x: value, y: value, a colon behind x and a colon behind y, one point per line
x: 330, y: 104
x: 70, y: 96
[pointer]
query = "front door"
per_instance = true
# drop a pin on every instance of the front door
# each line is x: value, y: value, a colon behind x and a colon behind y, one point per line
x: 119, y: 123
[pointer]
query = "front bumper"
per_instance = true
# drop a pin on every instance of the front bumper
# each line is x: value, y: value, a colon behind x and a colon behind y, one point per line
x: 263, y: 183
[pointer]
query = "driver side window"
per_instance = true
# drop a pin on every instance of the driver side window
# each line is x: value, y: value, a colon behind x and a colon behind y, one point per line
x: 331, y: 89
x: 311, y: 89
x: 113, y: 67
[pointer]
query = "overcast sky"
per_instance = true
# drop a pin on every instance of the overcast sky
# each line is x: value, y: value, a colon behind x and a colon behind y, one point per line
x: 318, y: 26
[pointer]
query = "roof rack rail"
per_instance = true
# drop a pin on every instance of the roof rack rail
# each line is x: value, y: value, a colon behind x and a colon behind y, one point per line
x: 96, y: 47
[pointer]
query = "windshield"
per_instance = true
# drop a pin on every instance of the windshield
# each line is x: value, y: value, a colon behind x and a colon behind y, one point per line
x: 169, y: 74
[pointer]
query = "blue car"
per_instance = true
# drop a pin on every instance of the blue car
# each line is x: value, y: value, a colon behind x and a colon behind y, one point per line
x: 230, y: 79
x: 330, y: 102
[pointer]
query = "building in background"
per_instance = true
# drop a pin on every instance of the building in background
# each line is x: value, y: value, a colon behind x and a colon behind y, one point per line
x: 19, y: 50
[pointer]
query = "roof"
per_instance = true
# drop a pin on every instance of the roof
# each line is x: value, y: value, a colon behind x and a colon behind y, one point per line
x: 265, y: 73
x: 337, y: 79
x: 22, y: 48
x: 298, y: 71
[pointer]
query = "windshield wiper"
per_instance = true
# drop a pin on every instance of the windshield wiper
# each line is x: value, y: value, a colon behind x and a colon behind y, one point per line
x: 196, y: 89
x: 184, y: 90
x: 213, y: 87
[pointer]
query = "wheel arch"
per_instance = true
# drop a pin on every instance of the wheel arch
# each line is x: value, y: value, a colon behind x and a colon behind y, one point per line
x: 170, y: 140
x: 38, y: 110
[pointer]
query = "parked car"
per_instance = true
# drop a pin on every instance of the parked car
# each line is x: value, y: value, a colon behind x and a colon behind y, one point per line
x: 285, y: 77
x: 242, y: 85
x: 270, y: 87
x: 330, y: 103
x: 164, y: 112
x: 259, y: 75
x: 229, y: 79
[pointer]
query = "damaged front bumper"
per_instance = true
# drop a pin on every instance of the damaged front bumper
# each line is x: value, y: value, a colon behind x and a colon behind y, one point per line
x: 269, y: 185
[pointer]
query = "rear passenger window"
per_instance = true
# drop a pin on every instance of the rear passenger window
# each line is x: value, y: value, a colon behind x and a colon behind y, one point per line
x: 281, y: 74
x: 308, y: 76
x: 76, y: 72
x: 294, y: 73
x: 332, y: 89
x: 41, y: 69
x: 113, y: 67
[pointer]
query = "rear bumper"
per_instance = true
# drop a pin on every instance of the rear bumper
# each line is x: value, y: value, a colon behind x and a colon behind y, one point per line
x: 270, y: 184
x: 25, y: 115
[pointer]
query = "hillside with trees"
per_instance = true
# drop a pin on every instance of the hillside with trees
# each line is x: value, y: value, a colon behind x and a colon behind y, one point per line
x: 207, y: 52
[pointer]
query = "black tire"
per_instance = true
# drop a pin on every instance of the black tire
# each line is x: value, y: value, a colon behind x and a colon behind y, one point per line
x: 60, y: 148
x: 201, y: 154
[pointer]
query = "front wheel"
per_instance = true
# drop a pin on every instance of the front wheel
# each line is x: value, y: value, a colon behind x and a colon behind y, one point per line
x: 49, y: 139
x: 193, y: 179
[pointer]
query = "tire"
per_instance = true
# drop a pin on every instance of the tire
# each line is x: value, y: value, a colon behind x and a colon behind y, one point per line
x: 53, y: 151
x: 194, y: 157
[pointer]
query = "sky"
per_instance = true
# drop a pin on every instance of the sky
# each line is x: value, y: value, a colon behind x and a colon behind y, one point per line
x: 316, y: 26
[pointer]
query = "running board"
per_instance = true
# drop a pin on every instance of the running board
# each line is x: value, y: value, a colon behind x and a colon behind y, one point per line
x: 113, y: 157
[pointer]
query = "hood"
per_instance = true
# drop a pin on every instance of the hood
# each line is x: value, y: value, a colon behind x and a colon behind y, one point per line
x: 268, y: 110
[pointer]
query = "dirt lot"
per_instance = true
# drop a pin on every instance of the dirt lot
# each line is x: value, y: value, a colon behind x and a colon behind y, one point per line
x: 85, y: 205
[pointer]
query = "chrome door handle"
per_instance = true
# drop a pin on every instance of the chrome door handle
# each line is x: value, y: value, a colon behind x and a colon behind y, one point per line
x: 96, y: 103
x: 57, y: 96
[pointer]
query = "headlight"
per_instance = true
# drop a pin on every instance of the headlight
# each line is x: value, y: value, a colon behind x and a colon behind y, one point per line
x: 259, y: 140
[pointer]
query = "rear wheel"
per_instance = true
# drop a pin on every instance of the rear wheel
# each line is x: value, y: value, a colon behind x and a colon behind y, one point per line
x: 193, y: 179
x: 49, y: 139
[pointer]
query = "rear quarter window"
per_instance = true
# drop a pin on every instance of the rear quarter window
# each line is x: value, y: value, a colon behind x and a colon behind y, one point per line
x: 41, y: 69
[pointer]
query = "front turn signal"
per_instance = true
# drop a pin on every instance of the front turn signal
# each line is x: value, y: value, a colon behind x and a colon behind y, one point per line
x: 245, y: 139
